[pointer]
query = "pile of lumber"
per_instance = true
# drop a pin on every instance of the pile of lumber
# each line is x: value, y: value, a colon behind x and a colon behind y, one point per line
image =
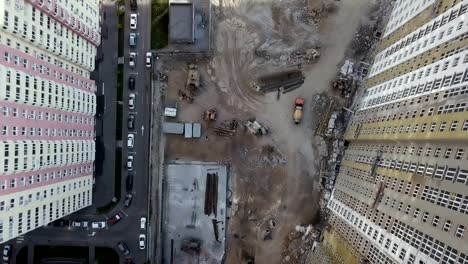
x: 227, y: 129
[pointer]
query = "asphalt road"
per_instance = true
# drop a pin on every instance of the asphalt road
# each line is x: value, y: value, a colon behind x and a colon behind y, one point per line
x: 128, y: 229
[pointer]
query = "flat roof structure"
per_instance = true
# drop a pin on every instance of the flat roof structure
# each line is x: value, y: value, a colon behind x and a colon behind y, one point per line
x: 184, y: 209
x: 181, y: 21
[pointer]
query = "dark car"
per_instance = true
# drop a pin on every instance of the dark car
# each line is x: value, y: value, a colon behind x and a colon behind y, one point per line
x: 129, y: 182
x: 131, y: 83
x: 123, y: 248
x: 133, y: 5
x: 6, y: 253
x: 116, y: 218
x: 128, y: 199
x: 131, y: 121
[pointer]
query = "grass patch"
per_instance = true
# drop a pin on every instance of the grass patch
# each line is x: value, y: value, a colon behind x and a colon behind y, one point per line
x: 159, y: 24
x: 44, y: 252
x: 22, y: 256
x: 121, y: 37
x: 118, y: 173
x: 120, y: 82
x: 106, y: 255
x: 117, y: 184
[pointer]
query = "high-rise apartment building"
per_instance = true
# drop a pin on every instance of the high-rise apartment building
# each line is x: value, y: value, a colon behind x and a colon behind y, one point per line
x: 47, y: 104
x: 401, y: 195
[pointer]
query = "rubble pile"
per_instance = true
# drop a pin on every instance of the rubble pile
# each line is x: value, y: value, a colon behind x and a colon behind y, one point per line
x: 344, y: 84
x: 298, y: 244
x: 227, y: 129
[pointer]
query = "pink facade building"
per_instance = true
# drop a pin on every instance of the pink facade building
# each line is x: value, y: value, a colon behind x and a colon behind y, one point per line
x: 47, y: 104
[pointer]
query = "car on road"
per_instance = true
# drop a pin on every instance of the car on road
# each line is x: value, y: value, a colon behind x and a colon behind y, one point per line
x: 128, y: 199
x: 131, y: 83
x: 148, y: 59
x: 132, y: 40
x: 133, y: 21
x: 142, y: 241
x: 129, y: 182
x: 132, y: 59
x: 116, y: 218
x: 130, y: 162
x: 131, y: 122
x: 123, y: 248
x: 143, y: 223
x: 98, y: 225
x: 80, y: 224
x: 130, y: 140
x: 131, y: 101
x: 133, y: 5
x: 6, y: 253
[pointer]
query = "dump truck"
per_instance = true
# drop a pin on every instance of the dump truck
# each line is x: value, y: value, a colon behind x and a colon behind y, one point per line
x: 299, y: 104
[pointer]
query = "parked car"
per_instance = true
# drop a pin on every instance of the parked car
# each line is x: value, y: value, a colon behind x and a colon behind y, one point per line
x: 128, y: 199
x: 6, y: 253
x: 116, y: 218
x: 130, y: 162
x: 133, y: 21
x: 130, y: 140
x: 131, y: 59
x: 129, y: 183
x: 148, y: 59
x: 131, y: 101
x: 131, y: 83
x: 123, y: 248
x: 132, y: 40
x: 80, y: 224
x: 98, y: 225
x: 142, y: 241
x: 143, y: 223
x: 133, y: 5
x: 131, y: 122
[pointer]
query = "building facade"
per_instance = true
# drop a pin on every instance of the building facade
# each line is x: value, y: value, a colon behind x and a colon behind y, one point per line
x: 401, y: 195
x: 48, y: 103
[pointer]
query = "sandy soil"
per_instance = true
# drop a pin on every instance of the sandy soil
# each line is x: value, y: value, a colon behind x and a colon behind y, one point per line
x: 273, y: 177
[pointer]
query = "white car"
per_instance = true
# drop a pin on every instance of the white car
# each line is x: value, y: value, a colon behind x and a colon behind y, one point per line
x: 143, y: 223
x: 133, y: 21
x: 131, y: 59
x: 131, y: 101
x: 148, y: 59
x: 6, y: 254
x: 130, y: 140
x: 80, y: 224
x: 142, y: 241
x: 98, y: 225
x: 130, y: 162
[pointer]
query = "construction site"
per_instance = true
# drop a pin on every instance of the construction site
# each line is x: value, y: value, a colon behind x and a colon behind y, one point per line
x: 269, y: 105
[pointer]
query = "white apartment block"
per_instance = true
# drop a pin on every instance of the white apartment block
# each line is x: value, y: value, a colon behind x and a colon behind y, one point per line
x: 47, y: 104
x: 401, y: 195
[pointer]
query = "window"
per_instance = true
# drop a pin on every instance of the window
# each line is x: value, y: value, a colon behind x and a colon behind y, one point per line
x: 454, y: 126
x: 460, y: 231
x: 447, y: 225
x: 435, y: 220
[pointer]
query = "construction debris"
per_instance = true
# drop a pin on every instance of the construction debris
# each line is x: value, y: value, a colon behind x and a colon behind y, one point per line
x: 287, y: 81
x: 209, y: 115
x: 345, y: 84
x: 256, y: 128
x: 193, y: 84
x: 227, y: 129
x: 298, y: 243
x: 191, y: 246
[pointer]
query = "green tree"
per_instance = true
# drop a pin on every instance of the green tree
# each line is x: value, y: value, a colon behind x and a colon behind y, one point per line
x: 119, y: 26
x: 120, y: 11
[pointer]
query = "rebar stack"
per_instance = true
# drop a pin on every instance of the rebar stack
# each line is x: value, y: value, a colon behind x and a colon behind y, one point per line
x: 211, y: 194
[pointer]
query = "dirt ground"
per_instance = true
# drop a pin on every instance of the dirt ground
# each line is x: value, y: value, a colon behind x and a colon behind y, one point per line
x: 274, y: 176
